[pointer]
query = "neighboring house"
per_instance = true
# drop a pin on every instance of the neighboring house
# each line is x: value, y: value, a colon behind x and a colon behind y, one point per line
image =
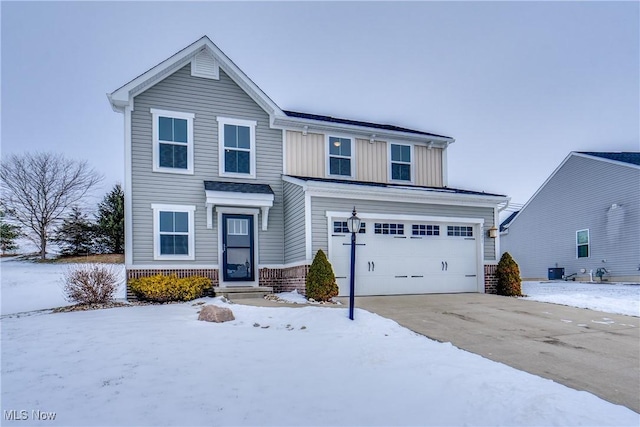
x: 585, y: 217
x: 221, y: 182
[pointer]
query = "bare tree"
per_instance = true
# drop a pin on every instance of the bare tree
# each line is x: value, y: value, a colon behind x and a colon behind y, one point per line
x: 38, y: 189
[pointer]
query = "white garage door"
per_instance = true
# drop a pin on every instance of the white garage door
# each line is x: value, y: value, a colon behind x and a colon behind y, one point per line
x: 406, y: 257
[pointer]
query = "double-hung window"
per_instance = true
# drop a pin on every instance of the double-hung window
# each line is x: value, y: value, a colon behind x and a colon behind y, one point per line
x: 401, y: 162
x: 173, y: 235
x: 172, y: 141
x: 236, y: 145
x: 582, y: 243
x: 340, y: 156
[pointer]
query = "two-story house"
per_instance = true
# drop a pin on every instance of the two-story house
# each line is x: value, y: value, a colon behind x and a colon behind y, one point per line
x: 222, y: 182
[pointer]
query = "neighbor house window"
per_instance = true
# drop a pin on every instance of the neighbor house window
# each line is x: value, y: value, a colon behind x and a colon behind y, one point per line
x: 173, y: 232
x: 236, y: 142
x: 172, y: 141
x: 340, y: 156
x: 582, y: 243
x: 400, y: 162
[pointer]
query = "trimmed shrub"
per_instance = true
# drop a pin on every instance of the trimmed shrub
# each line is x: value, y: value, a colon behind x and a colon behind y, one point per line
x: 321, y: 282
x: 163, y: 288
x: 508, y: 274
x: 90, y: 283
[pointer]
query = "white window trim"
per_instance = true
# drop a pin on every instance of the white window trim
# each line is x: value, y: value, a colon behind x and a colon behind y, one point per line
x: 251, y: 124
x: 189, y: 209
x: 582, y: 244
x: 411, y: 163
x: 329, y: 155
x: 155, y: 114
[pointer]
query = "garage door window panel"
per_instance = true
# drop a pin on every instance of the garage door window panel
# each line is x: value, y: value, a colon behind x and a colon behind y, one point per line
x: 341, y: 227
x: 425, y: 230
x: 459, y: 231
x: 388, y: 228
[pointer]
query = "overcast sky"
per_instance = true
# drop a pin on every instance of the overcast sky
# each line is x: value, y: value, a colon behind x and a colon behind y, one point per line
x: 518, y: 85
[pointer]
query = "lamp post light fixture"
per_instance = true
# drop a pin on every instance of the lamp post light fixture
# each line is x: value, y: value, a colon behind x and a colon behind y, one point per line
x: 353, y: 224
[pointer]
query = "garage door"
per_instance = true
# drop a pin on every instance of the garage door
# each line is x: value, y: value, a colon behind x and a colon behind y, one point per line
x: 406, y: 257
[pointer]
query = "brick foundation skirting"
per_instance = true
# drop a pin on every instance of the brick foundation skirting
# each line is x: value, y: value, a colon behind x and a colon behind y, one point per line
x: 285, y: 279
x: 490, y: 279
x: 280, y: 279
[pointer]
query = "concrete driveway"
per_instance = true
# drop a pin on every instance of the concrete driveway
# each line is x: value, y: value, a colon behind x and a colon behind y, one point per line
x: 582, y: 349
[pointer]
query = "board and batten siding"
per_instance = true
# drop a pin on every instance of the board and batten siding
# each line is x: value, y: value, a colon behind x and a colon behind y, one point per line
x: 371, y: 161
x: 305, y: 154
x: 580, y: 196
x: 321, y: 205
x: 294, y: 226
x: 207, y: 99
x: 428, y: 164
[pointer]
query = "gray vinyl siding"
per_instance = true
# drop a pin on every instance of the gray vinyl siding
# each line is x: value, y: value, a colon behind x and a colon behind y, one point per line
x: 320, y: 205
x: 207, y: 99
x: 579, y: 196
x: 294, y: 227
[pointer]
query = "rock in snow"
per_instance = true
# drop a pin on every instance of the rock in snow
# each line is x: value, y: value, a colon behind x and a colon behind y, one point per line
x: 212, y: 313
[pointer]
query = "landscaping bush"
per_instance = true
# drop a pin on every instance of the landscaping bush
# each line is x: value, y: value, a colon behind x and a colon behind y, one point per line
x: 321, y: 282
x: 508, y: 274
x: 90, y: 283
x: 163, y: 288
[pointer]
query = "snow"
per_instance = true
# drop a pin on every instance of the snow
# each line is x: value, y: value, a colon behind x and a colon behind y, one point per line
x: 28, y: 286
x: 615, y: 298
x: 292, y: 297
x: 311, y: 365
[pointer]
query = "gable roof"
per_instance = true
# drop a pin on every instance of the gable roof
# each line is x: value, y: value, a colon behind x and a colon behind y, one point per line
x: 214, y: 59
x: 123, y: 96
x: 627, y: 159
x: 506, y: 222
x: 633, y: 158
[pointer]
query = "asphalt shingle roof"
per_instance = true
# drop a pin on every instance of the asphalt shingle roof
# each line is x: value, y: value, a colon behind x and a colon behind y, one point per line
x: 625, y: 157
x: 357, y: 123
x: 503, y: 225
x: 383, y: 185
x: 237, y: 187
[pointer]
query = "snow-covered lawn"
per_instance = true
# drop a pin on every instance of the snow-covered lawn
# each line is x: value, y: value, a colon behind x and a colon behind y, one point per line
x: 159, y: 365
x: 608, y: 297
x: 28, y: 286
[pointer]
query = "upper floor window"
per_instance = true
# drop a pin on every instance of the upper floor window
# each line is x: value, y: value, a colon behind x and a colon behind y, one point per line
x: 582, y: 243
x: 340, y: 156
x: 172, y: 141
x: 173, y: 235
x: 236, y: 142
x: 401, y: 162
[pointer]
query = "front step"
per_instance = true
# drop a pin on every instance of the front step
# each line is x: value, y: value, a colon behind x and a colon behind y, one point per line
x: 242, y: 292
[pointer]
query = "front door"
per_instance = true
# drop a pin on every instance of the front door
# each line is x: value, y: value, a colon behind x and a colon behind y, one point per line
x: 237, y: 248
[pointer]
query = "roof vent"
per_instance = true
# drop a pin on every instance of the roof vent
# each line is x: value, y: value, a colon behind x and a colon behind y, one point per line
x: 205, y: 65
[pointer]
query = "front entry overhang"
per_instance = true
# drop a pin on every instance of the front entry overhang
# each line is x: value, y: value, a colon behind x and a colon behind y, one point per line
x: 236, y: 194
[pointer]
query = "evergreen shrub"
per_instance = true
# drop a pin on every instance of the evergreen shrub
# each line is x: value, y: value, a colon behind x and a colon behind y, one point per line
x: 321, y: 282
x: 163, y: 288
x: 508, y: 274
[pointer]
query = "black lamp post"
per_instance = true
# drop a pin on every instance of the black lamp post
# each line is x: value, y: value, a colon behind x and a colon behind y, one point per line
x: 353, y: 224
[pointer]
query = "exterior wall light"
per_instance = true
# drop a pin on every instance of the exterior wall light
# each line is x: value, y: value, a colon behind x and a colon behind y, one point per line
x: 493, y: 232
